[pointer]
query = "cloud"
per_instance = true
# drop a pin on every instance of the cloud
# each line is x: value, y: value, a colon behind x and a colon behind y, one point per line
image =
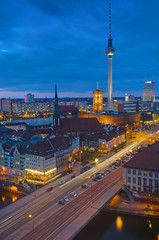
x: 64, y: 41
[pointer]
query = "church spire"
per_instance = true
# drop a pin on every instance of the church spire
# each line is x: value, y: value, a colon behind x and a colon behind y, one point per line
x: 56, y: 106
x: 56, y: 114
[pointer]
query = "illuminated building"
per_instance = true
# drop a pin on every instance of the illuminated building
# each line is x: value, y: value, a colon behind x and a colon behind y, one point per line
x: 97, y: 100
x: 113, y: 118
x: 110, y: 52
x: 129, y: 97
x: 149, y: 91
x: 141, y: 173
x: 129, y: 107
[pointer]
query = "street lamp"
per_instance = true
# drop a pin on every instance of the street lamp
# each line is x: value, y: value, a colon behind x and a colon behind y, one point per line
x: 31, y: 216
x: 96, y: 160
x: 91, y: 190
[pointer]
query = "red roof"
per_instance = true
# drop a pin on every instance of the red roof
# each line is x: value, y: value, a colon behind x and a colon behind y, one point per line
x: 146, y: 160
x: 49, y: 146
x: 81, y: 125
x: 68, y: 108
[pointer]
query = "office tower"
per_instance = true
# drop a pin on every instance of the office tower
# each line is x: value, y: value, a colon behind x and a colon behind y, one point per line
x: 110, y: 52
x: 149, y: 91
x: 29, y: 98
x: 97, y: 100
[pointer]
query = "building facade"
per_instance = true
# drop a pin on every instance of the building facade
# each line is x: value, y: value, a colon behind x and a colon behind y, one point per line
x: 149, y: 91
x: 97, y: 100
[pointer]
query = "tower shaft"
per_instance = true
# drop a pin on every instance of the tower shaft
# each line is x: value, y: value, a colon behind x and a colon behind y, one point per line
x: 110, y: 101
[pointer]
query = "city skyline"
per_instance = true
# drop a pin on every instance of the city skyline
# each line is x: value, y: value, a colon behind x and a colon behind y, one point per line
x: 42, y: 43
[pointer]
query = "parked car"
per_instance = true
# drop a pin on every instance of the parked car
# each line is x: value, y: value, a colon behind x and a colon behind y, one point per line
x: 73, y: 194
x: 66, y: 199
x: 62, y: 202
x: 85, y: 185
x: 49, y: 189
x: 62, y: 182
x: 73, y: 176
x: 99, y: 176
x: 95, y: 179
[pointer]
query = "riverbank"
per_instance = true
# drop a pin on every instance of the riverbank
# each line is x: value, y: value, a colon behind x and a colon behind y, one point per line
x: 122, y: 205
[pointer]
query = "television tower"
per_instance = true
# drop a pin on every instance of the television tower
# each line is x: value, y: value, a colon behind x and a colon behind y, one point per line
x: 110, y: 52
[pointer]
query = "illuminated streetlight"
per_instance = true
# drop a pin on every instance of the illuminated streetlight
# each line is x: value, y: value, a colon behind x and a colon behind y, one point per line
x: 89, y: 177
x: 31, y: 216
x: 96, y: 160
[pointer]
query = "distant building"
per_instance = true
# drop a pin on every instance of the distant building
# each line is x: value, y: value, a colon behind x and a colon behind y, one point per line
x: 141, y: 173
x: 129, y: 107
x: 97, y: 100
x: 29, y: 98
x: 129, y: 97
x: 149, y: 91
x: 156, y: 107
x: 147, y: 106
x: 5, y: 105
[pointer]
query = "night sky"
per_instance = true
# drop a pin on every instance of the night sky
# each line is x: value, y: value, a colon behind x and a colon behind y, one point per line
x: 43, y: 41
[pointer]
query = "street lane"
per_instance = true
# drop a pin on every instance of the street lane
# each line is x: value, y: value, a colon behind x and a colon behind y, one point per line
x: 17, y: 218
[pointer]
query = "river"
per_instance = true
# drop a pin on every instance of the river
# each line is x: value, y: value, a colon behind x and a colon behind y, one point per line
x: 7, y: 198
x: 111, y: 226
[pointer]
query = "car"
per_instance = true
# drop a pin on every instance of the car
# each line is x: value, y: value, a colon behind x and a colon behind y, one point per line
x: 97, y: 173
x: 73, y: 194
x: 66, y: 199
x: 95, y: 179
x: 62, y: 182
x: 105, y: 173
x: 49, y: 189
x: 62, y: 202
x: 85, y: 185
x: 99, y: 176
x: 73, y: 176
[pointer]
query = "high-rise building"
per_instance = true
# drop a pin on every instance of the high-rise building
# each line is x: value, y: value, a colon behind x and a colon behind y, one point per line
x: 97, y: 100
x: 29, y: 98
x: 149, y: 91
x: 110, y: 52
x: 129, y: 97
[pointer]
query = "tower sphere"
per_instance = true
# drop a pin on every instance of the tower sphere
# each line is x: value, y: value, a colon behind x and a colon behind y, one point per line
x: 110, y: 50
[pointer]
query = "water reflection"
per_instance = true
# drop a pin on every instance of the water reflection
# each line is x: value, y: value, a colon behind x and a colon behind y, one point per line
x: 119, y: 223
x: 14, y: 198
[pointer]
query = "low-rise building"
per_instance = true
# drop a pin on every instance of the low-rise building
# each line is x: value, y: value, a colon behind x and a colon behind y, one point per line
x: 141, y: 173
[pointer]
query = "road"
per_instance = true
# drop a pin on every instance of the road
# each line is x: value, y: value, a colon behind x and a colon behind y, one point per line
x: 19, y: 217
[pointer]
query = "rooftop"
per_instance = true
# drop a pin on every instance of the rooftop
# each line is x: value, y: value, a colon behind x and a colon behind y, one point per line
x: 148, y: 159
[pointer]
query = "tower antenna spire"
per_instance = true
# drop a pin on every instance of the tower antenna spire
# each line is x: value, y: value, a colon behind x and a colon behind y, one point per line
x: 110, y: 21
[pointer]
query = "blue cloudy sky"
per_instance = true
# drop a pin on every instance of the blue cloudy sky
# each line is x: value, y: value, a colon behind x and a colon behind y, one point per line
x: 43, y: 41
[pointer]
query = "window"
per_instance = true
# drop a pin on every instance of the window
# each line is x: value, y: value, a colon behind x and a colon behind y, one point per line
x: 129, y: 171
x: 134, y: 180
x: 139, y: 172
x: 134, y: 171
x: 134, y: 188
x: 156, y: 175
x: 139, y: 189
x: 156, y: 183
x: 139, y: 180
x: 145, y: 181
x: 145, y: 173
x: 150, y: 182
x: 150, y: 174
